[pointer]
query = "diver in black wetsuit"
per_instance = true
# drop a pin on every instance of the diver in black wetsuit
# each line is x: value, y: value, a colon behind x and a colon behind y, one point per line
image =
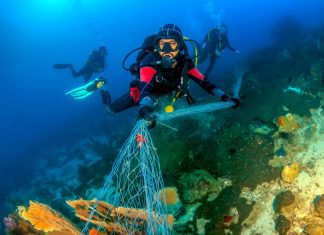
x: 213, y: 46
x: 161, y: 73
x: 147, y: 48
x: 96, y: 63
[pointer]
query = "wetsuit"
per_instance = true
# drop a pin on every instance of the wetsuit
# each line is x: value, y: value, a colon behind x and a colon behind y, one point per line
x: 213, y: 45
x: 95, y: 64
x: 131, y: 98
x: 157, y: 81
x: 147, y: 48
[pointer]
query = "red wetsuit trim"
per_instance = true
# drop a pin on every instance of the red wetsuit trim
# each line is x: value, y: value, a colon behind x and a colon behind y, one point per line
x: 196, y: 73
x: 146, y: 74
x: 134, y: 92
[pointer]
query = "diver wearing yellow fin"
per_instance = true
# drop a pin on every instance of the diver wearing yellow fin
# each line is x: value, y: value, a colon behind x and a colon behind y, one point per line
x: 167, y: 69
x: 87, y: 89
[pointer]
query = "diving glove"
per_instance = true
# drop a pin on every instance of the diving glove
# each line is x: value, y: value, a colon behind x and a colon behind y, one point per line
x: 105, y: 97
x: 146, y: 114
x: 236, y: 101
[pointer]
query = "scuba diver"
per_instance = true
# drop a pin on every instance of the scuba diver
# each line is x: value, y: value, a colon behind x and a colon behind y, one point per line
x: 164, y: 71
x: 213, y: 46
x: 146, y: 48
x: 96, y: 63
x: 87, y: 89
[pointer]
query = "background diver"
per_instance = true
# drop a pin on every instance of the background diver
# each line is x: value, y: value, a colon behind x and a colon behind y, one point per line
x: 213, y: 46
x: 160, y: 74
x: 96, y: 63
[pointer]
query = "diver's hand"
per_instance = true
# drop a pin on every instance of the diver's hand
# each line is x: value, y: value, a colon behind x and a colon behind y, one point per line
x: 105, y: 96
x: 236, y: 101
x: 146, y: 114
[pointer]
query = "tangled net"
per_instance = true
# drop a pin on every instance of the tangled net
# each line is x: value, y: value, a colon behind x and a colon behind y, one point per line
x: 136, y: 207
x: 131, y: 201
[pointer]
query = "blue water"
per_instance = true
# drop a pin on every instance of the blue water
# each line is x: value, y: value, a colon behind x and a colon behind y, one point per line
x: 35, y: 34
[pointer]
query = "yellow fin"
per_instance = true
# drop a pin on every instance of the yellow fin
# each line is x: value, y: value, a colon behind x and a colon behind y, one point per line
x: 169, y: 109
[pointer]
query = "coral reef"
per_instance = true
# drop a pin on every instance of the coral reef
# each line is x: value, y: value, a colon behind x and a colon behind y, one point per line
x: 319, y: 205
x: 117, y: 220
x: 288, y: 123
x: 258, y: 170
x: 185, y: 224
x: 172, y: 200
x: 301, y: 210
x: 45, y: 219
x: 290, y: 172
x: 199, y: 184
x: 283, y: 200
x: 314, y: 229
x: 18, y: 226
x: 282, y: 225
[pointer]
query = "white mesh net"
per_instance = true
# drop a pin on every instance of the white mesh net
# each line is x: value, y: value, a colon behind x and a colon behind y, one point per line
x: 137, y: 179
x: 131, y: 201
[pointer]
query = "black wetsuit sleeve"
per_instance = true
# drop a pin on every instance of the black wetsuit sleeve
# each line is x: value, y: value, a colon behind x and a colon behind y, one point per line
x: 204, y: 84
x: 228, y: 45
x: 195, y: 75
x: 140, y: 56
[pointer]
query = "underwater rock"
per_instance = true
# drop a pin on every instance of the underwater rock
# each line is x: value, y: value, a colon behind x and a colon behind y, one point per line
x: 282, y: 225
x: 201, y: 223
x: 185, y: 223
x: 283, y: 200
x: 287, y: 123
x: 319, y: 205
x: 198, y: 184
x: 314, y: 229
x: 290, y: 172
x: 260, y: 128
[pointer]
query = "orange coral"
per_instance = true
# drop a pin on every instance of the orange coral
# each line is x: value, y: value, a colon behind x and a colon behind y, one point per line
x: 45, y: 219
x: 287, y: 123
x: 171, y: 196
x: 281, y: 121
x: 113, y: 219
x: 94, y: 231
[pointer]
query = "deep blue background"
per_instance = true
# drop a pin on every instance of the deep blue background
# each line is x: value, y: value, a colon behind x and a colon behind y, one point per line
x: 34, y: 112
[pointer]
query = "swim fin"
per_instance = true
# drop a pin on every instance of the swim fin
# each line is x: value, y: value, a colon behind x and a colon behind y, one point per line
x: 62, y: 66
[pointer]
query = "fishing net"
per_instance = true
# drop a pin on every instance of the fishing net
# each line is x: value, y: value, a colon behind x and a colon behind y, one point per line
x: 132, y: 190
x: 132, y: 200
